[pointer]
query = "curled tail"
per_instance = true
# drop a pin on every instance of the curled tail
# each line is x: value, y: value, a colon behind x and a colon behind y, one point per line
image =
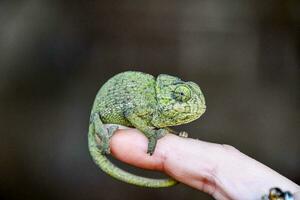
x: 107, y: 166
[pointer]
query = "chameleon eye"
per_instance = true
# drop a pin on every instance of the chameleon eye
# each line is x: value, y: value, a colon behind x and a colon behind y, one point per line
x: 182, y: 93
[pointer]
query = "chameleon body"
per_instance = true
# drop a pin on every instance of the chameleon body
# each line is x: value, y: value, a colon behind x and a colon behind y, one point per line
x: 151, y: 105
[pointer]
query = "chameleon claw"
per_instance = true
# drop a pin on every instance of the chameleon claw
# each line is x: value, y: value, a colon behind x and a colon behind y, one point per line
x: 150, y: 152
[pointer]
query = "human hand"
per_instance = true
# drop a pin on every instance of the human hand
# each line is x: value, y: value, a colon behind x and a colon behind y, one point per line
x: 219, y: 170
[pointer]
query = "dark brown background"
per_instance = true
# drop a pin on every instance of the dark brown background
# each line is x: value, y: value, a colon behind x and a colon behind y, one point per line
x: 54, y: 56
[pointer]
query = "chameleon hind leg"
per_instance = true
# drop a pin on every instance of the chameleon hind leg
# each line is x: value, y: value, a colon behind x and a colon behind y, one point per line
x: 103, y: 134
x: 150, y: 132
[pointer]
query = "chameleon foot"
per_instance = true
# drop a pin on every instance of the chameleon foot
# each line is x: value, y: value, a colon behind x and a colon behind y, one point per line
x: 153, y: 140
x: 151, y: 145
x: 183, y: 134
x: 111, y: 130
x: 180, y: 134
x: 103, y: 143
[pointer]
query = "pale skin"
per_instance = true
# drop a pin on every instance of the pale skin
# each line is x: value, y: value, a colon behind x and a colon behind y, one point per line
x: 219, y: 170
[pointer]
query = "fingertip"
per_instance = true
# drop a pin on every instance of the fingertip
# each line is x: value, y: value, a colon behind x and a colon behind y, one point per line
x: 130, y: 146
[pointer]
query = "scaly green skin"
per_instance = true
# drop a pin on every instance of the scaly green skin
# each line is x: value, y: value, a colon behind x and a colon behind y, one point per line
x: 136, y: 99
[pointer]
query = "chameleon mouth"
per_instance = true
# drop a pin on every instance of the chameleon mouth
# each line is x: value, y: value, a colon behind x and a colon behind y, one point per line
x: 201, y: 100
x: 200, y: 109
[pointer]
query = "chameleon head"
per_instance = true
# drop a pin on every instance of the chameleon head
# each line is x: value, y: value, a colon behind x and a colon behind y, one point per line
x: 178, y: 102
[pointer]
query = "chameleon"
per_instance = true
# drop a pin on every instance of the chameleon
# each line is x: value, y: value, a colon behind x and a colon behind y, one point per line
x: 149, y: 104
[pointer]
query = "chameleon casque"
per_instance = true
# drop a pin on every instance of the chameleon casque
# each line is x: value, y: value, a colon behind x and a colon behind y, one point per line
x: 137, y: 99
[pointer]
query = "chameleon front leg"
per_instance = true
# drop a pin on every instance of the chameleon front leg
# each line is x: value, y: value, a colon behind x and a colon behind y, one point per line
x: 103, y: 134
x: 150, y: 132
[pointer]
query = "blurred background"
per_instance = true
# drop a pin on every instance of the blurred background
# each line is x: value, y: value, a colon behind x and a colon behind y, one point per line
x: 54, y: 56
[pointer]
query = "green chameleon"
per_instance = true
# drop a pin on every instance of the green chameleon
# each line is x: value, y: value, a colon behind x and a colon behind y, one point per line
x: 151, y: 105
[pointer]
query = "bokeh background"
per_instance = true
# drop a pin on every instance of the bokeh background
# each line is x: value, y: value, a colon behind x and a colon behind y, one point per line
x: 54, y: 56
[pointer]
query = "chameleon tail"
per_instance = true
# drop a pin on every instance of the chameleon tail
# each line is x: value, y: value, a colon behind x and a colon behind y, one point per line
x: 107, y: 166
